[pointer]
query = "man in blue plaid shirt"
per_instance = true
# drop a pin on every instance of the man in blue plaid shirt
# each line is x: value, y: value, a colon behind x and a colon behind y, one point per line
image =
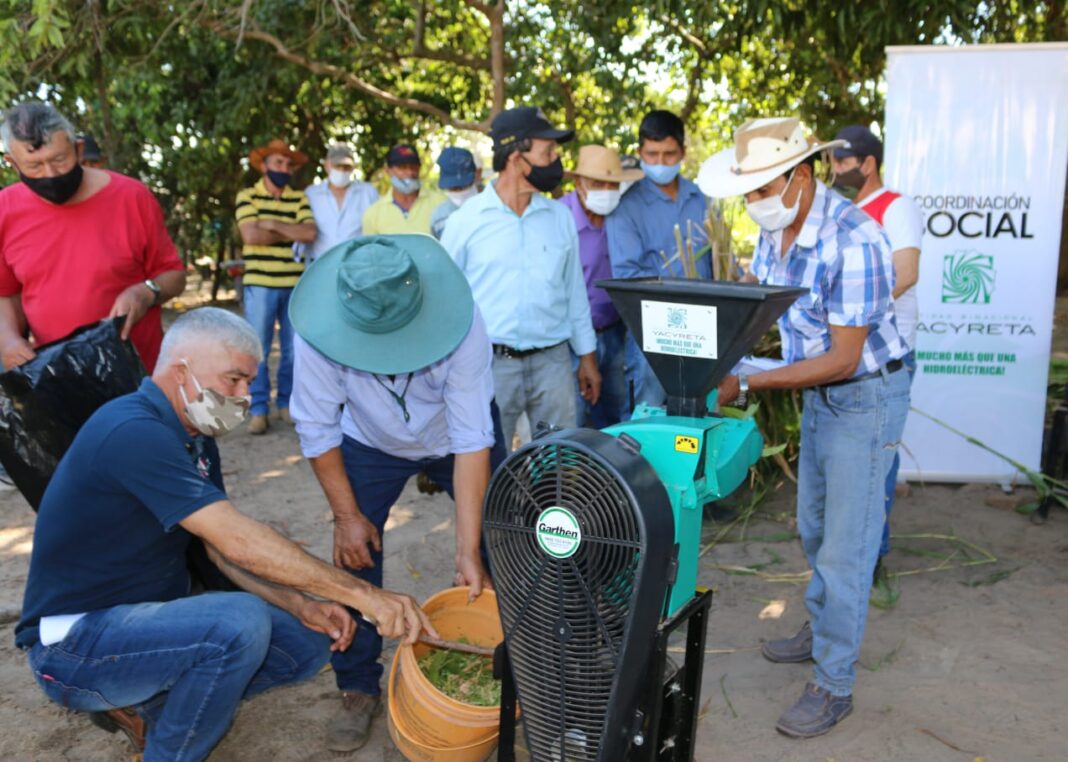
x: 841, y: 345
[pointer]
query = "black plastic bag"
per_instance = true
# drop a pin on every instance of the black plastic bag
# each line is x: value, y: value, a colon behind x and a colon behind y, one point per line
x: 44, y: 402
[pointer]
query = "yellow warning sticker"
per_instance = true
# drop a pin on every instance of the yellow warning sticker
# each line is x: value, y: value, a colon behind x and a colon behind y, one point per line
x: 686, y: 444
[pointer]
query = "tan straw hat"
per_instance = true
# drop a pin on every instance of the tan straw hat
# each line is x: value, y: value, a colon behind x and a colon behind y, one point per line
x: 600, y: 163
x: 256, y: 157
x: 763, y: 149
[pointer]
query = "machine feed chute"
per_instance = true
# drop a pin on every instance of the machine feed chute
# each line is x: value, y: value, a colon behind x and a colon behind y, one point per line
x: 693, y: 332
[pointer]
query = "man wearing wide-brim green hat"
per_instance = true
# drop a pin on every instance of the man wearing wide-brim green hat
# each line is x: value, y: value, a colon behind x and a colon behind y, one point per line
x: 392, y: 378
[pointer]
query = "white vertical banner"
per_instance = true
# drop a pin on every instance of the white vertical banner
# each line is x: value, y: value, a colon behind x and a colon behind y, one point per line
x: 978, y: 135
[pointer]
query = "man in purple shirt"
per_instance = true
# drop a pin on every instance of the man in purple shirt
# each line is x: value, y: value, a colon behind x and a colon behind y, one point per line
x: 597, y: 177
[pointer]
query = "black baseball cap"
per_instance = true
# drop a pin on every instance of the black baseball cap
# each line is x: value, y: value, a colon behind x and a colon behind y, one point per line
x: 862, y: 142
x: 525, y: 122
x: 401, y: 154
x: 90, y: 149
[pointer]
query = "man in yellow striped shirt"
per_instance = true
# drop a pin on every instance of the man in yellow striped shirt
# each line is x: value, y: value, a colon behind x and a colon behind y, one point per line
x: 272, y: 217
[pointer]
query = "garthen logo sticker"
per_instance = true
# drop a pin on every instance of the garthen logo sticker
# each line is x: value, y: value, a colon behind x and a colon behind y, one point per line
x: 558, y: 532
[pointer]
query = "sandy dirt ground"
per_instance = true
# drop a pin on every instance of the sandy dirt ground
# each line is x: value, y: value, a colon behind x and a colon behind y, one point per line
x: 969, y: 663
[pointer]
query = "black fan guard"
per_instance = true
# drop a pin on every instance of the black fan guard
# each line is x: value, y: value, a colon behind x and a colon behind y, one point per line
x: 579, y: 630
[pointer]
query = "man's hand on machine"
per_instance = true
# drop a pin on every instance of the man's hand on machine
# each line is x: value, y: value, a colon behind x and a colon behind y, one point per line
x: 329, y: 618
x: 396, y: 615
x: 471, y: 573
x: 352, y: 535
x: 728, y: 390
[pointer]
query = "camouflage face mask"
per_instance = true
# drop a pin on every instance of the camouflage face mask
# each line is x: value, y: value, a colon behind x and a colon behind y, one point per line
x: 211, y: 413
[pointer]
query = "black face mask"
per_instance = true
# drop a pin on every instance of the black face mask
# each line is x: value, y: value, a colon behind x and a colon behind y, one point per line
x: 58, y: 189
x: 545, y: 178
x: 279, y: 179
x: 850, y: 182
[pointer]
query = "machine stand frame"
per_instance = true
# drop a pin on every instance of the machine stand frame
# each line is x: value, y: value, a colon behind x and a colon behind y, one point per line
x: 670, y: 704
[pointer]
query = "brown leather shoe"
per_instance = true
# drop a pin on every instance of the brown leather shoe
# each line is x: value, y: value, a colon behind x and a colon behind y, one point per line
x: 350, y: 727
x: 126, y: 720
x: 257, y: 424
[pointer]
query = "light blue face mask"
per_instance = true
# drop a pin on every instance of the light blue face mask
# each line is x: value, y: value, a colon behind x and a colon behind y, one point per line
x: 661, y: 174
x: 404, y: 184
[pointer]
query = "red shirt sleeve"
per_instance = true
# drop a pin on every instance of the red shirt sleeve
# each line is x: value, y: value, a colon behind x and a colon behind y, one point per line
x: 161, y: 255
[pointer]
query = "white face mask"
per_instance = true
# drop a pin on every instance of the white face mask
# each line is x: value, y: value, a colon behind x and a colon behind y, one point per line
x: 339, y: 178
x: 602, y: 202
x: 458, y: 197
x: 770, y: 213
x: 211, y: 413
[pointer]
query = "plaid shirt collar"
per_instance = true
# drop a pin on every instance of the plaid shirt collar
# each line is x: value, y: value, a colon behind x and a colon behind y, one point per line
x: 810, y: 228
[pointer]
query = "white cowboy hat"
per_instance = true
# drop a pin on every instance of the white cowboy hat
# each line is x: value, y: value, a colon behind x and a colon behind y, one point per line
x: 763, y: 149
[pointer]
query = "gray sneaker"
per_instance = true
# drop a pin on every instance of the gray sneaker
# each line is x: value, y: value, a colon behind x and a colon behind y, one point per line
x: 350, y: 727
x: 816, y: 712
x: 790, y: 650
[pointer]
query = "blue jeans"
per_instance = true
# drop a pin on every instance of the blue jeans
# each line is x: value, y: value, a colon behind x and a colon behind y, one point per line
x: 641, y: 378
x: 614, y: 404
x: 184, y: 665
x: 891, y: 478
x: 377, y: 480
x: 263, y: 308
x: 849, y: 435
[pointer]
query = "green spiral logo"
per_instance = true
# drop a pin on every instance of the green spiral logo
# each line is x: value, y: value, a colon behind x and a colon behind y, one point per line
x: 967, y: 278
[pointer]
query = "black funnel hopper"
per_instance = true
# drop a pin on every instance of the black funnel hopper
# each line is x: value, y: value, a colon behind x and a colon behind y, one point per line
x: 693, y: 332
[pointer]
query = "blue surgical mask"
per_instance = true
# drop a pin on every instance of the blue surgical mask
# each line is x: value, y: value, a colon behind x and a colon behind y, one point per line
x: 404, y: 185
x: 279, y: 179
x: 661, y: 174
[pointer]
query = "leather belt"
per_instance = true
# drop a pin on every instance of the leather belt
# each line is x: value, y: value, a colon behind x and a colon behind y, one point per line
x: 503, y: 350
x: 891, y: 367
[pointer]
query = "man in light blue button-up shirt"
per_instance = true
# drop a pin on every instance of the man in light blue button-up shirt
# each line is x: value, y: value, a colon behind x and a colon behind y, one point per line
x: 337, y: 204
x: 519, y: 251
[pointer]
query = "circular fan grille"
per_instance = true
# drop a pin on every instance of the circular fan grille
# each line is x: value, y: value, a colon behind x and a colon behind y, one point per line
x: 564, y: 618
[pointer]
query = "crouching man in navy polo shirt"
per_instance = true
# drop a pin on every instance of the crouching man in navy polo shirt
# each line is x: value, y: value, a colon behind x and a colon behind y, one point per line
x: 108, y: 621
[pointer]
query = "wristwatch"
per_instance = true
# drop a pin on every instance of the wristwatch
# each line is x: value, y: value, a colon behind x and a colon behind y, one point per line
x: 155, y: 289
x: 743, y: 390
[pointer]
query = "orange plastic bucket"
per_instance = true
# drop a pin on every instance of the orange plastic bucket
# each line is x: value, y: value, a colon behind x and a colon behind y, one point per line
x: 424, y: 723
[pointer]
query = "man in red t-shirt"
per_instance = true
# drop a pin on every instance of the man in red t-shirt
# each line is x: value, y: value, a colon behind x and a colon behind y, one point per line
x: 77, y: 244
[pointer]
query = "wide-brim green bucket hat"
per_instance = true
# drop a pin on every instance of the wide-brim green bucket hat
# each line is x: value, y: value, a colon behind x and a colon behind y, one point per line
x: 383, y: 304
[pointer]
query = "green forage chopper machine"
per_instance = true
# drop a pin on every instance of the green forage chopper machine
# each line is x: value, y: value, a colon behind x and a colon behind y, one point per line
x: 593, y: 538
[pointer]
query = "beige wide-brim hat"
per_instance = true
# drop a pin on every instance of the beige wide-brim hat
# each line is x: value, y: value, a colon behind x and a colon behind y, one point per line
x: 600, y: 163
x: 763, y: 149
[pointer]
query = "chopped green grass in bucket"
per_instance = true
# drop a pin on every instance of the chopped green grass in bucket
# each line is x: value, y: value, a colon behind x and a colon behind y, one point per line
x: 464, y: 677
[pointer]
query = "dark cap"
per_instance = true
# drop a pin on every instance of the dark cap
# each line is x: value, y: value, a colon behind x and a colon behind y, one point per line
x: 402, y: 154
x: 525, y: 122
x: 457, y: 168
x: 862, y: 142
x: 90, y: 149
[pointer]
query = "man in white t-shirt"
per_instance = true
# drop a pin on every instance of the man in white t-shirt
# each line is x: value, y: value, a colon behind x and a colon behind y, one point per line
x: 857, y: 169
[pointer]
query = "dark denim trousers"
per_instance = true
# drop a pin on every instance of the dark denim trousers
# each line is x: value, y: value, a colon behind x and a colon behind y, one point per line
x: 377, y: 480
x: 614, y: 404
x: 891, y: 477
x: 184, y: 665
